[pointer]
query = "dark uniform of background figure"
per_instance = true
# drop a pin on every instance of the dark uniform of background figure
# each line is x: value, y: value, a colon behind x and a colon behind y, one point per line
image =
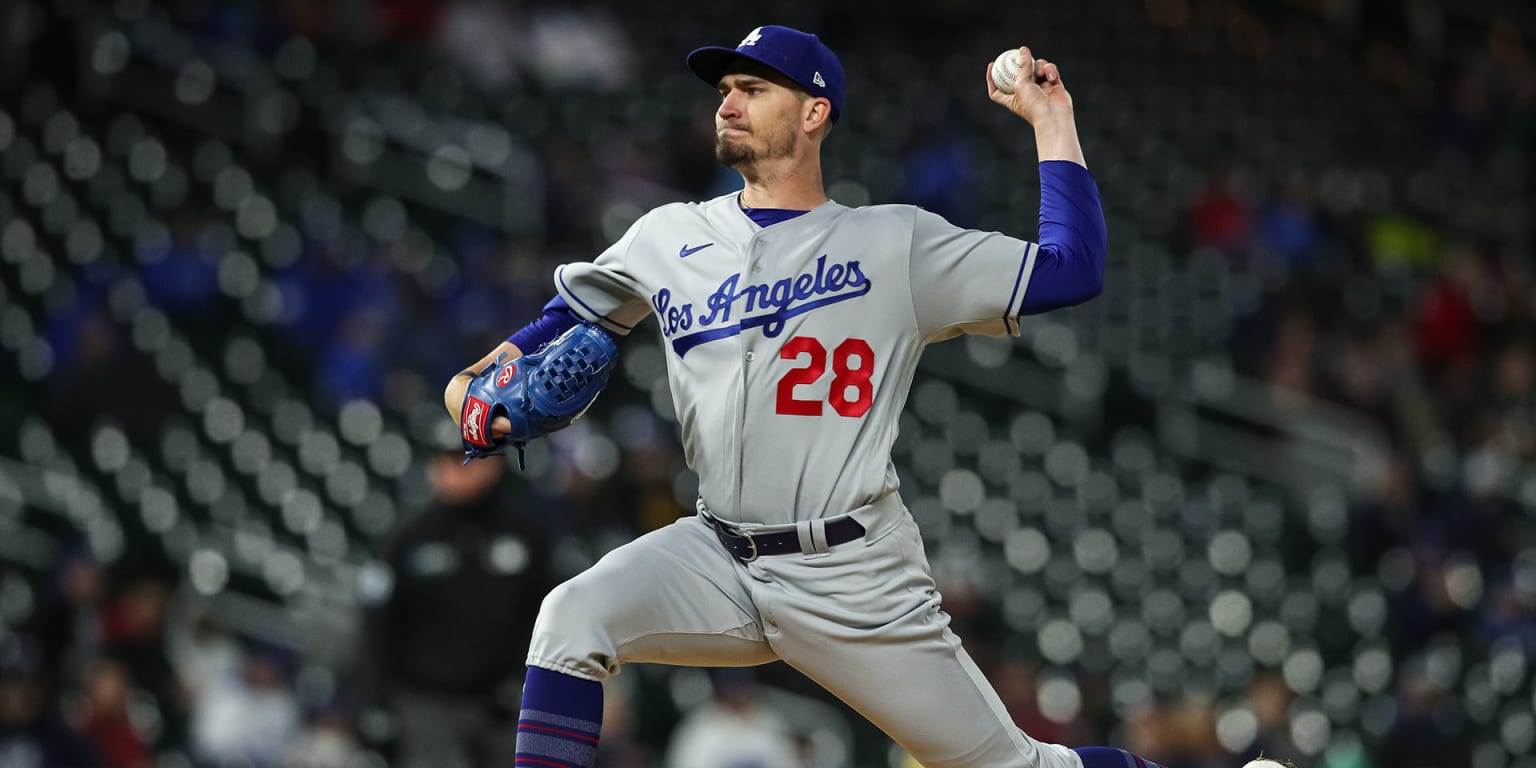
x: 447, y: 631
x: 33, y: 732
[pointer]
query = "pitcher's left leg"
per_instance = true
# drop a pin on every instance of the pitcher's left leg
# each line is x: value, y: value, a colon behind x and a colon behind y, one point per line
x: 864, y: 622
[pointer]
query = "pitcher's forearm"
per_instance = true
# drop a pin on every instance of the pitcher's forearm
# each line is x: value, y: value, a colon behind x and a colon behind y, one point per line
x: 1056, y: 138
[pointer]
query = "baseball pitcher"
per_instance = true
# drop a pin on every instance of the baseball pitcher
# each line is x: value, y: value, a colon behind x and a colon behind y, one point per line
x: 792, y: 327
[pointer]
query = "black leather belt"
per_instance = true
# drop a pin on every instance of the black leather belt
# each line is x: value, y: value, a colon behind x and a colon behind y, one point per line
x: 748, y: 547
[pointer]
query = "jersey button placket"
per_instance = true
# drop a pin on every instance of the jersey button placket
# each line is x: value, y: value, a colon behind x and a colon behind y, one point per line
x: 756, y: 260
x: 753, y: 251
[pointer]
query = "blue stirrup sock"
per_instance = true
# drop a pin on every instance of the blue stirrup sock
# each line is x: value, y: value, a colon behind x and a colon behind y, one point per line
x: 1102, y: 757
x: 562, y: 715
x: 559, y: 722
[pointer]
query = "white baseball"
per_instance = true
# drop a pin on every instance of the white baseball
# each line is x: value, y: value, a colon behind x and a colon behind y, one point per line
x: 1263, y: 763
x: 1005, y: 70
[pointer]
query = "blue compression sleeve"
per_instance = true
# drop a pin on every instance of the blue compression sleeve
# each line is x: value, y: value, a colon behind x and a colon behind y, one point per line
x: 557, y: 319
x: 1069, y: 268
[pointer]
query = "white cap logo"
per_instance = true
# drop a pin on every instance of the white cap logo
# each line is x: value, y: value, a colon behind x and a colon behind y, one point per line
x: 817, y: 80
x: 752, y: 38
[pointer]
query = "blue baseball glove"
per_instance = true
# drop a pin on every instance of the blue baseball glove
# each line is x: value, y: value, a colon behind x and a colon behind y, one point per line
x: 539, y: 393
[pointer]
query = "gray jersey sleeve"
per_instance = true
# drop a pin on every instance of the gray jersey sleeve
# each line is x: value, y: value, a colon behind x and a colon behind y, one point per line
x: 966, y: 281
x: 603, y: 290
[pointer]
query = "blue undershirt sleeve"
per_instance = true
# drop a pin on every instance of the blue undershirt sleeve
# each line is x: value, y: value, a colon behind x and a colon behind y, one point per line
x: 557, y: 319
x: 1069, y: 268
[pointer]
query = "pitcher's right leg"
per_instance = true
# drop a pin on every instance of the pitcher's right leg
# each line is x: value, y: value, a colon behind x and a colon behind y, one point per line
x: 672, y: 596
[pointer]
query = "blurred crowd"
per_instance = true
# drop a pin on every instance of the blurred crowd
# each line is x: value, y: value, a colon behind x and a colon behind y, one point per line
x: 1402, y: 289
x: 111, y: 671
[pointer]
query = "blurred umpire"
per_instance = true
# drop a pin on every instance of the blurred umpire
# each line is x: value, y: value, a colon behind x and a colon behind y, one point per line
x: 448, y: 621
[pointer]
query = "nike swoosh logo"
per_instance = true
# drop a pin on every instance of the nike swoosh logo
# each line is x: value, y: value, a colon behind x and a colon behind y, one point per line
x: 686, y: 251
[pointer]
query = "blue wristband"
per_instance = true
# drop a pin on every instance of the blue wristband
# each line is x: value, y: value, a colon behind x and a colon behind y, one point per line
x: 557, y: 319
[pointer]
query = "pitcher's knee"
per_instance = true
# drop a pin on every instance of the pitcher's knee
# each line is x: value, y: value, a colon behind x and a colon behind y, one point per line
x: 571, y: 634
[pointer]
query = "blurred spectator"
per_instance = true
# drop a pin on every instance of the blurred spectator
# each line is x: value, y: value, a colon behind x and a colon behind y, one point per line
x: 90, y: 351
x: 571, y: 181
x: 203, y: 654
x: 334, y: 280
x: 1270, y: 700
x: 80, y: 329
x: 1447, y: 325
x: 448, y: 627
x: 941, y: 175
x: 1287, y: 227
x: 311, y: 19
x: 1467, y: 121
x: 418, y: 345
x: 1399, y: 241
x: 1508, y: 617
x: 1195, y: 723
x: 1387, y: 518
x: 1220, y: 217
x: 352, y: 366
x: 484, y: 38
x: 32, y: 734
x: 1150, y: 731
x: 133, y: 634
x: 1511, y: 413
x: 250, y: 717
x: 180, y: 273
x: 105, y: 717
x: 1427, y: 608
x: 1292, y: 364
x: 482, y: 303
x: 412, y: 21
x: 68, y: 619
x: 1422, y: 736
x: 326, y: 742
x: 580, y: 47
x: 733, y: 729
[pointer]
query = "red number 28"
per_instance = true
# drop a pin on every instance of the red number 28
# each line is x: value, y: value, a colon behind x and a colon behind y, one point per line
x: 853, y: 362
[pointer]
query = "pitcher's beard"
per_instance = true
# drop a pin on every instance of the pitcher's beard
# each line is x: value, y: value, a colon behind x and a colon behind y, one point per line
x: 734, y: 154
x: 742, y: 154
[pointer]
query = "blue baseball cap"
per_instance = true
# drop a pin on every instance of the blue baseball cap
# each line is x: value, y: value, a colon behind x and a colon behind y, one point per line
x: 799, y: 56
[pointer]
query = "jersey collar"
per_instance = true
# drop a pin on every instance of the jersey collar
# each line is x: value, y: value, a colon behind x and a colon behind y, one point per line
x: 741, y: 211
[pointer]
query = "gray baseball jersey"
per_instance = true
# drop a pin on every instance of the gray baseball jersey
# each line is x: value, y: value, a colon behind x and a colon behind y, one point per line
x: 791, y: 348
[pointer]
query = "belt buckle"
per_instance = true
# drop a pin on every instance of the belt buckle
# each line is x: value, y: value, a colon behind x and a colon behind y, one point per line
x: 725, y: 532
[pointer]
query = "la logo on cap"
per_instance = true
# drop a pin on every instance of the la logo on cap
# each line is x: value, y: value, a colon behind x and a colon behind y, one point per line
x: 751, y: 38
